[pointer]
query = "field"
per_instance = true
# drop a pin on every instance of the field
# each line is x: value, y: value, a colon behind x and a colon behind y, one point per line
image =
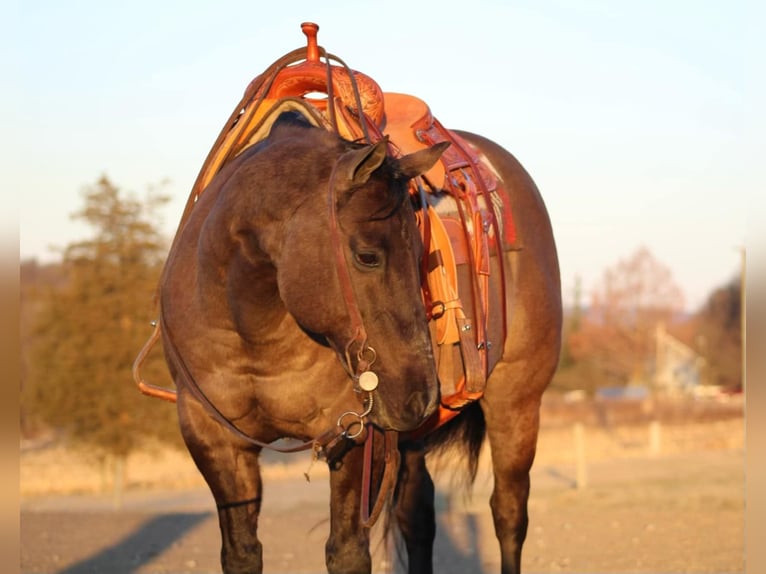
x: 638, y: 487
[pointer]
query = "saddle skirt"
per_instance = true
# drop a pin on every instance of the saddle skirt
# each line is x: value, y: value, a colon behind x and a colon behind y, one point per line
x: 467, y: 216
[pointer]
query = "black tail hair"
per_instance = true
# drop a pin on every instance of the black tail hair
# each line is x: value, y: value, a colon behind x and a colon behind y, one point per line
x: 465, y: 434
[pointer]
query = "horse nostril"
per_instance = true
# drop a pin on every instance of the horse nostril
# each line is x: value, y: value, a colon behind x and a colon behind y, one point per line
x: 432, y: 404
x: 421, y: 404
x: 409, y: 414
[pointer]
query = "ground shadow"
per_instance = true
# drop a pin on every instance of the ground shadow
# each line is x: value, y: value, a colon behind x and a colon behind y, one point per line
x: 450, y: 555
x: 560, y: 476
x: 447, y: 552
x: 150, y: 540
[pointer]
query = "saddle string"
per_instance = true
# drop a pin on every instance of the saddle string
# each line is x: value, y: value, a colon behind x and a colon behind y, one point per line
x: 492, y: 218
x: 476, y: 291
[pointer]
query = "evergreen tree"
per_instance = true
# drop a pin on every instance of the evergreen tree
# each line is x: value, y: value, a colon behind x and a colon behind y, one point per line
x: 719, y: 335
x: 90, y: 329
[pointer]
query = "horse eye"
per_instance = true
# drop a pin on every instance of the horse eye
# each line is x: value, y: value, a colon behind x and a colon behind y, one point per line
x: 367, y: 259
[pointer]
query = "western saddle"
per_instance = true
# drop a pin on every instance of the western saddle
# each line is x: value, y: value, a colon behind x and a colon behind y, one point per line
x: 467, y: 217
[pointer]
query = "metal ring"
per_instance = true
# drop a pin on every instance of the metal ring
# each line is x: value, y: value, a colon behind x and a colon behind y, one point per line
x: 345, y: 429
x: 360, y: 355
x: 438, y: 314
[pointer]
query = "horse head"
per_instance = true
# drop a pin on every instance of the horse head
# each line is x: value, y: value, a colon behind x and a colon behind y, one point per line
x: 347, y: 254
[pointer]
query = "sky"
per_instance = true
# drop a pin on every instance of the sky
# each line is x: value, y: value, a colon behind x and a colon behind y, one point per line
x: 639, y: 121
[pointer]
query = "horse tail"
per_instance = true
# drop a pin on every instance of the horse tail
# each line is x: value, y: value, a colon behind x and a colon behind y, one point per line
x: 460, y: 438
x: 463, y: 437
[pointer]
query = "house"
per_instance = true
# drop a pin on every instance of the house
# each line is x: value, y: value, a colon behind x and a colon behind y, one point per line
x: 678, y: 367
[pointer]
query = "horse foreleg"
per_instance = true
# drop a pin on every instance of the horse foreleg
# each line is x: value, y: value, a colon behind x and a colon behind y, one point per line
x: 512, y: 427
x: 238, y: 511
x: 348, y: 548
x: 232, y: 472
x: 414, y: 509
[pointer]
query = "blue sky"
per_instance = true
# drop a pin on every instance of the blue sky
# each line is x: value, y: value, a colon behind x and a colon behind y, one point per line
x: 639, y: 121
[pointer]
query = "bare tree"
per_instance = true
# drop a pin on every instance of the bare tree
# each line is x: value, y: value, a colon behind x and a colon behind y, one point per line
x: 616, y: 334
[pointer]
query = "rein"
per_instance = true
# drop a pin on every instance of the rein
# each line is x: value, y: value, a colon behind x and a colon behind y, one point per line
x: 391, y: 461
x: 332, y: 444
x: 319, y: 444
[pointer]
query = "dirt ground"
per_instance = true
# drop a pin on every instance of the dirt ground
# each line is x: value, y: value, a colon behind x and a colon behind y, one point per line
x: 649, y: 498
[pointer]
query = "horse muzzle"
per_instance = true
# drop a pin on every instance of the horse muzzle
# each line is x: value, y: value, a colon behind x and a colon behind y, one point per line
x: 408, y: 414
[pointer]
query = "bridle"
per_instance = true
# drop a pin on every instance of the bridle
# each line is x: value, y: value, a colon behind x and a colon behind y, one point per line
x: 365, y: 379
x: 334, y: 442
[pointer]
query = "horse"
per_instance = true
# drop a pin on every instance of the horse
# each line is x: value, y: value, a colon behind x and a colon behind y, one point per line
x: 292, y: 307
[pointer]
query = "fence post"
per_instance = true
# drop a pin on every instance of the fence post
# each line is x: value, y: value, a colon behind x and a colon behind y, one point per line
x: 582, y: 471
x: 655, y: 438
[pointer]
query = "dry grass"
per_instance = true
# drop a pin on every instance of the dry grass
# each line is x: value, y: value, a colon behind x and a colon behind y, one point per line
x: 556, y: 445
x: 55, y: 469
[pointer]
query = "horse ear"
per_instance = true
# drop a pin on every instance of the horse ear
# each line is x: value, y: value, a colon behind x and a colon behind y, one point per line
x: 421, y: 161
x: 355, y: 166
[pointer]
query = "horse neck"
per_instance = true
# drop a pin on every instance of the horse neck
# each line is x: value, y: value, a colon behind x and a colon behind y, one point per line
x: 236, y: 277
